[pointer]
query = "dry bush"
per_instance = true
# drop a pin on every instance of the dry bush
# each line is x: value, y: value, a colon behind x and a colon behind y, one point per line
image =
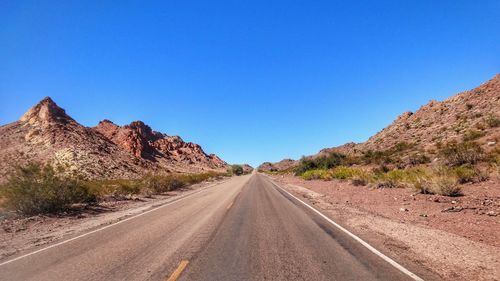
x: 457, y: 154
x: 37, y: 189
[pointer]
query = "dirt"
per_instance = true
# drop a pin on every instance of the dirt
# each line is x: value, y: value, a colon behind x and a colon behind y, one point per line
x: 457, y: 238
x: 20, y: 234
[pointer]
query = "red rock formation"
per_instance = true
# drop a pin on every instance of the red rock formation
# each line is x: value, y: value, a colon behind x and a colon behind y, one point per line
x: 138, y: 139
x: 45, y: 133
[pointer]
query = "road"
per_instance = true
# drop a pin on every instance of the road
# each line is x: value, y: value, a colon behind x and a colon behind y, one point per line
x: 243, y: 229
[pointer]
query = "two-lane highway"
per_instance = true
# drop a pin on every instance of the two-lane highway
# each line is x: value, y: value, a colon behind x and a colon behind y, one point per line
x: 243, y: 229
x: 146, y: 247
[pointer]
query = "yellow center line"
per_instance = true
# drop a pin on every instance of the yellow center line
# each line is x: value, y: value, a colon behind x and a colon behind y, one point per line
x: 230, y: 204
x: 178, y: 271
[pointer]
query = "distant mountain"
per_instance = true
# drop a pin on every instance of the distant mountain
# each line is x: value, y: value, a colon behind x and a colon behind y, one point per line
x: 469, y: 115
x: 138, y: 139
x: 278, y: 166
x: 47, y: 134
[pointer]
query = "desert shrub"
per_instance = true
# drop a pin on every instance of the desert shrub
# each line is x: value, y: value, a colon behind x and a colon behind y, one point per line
x: 402, y: 146
x: 236, y: 170
x: 493, y: 121
x: 343, y: 172
x: 162, y: 183
x: 316, y: 174
x: 377, y: 157
x: 472, y: 135
x: 37, y: 189
x: 439, y: 180
x: 359, y: 181
x: 417, y: 159
x: 321, y: 162
x: 464, y: 174
x: 444, y: 185
x: 457, y: 154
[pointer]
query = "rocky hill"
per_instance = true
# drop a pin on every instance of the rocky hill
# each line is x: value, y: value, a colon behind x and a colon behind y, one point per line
x: 278, y: 166
x: 456, y: 118
x: 47, y: 134
x: 138, y: 139
x: 471, y: 115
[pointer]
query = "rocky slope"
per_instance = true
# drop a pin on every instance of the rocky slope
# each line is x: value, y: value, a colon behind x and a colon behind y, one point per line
x: 278, y: 166
x: 441, y: 122
x: 47, y: 134
x: 469, y: 115
x: 138, y: 139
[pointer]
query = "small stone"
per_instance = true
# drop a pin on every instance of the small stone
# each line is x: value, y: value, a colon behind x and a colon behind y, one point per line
x: 403, y: 210
x: 492, y: 214
x: 423, y: 215
x: 453, y: 202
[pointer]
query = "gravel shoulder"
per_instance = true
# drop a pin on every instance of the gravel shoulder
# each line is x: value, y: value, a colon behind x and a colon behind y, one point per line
x: 456, y: 238
x: 21, y: 234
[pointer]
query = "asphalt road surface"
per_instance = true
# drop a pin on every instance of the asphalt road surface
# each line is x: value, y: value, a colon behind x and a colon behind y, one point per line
x: 243, y: 229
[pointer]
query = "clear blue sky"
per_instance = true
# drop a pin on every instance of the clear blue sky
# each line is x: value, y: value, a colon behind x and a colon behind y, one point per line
x: 252, y: 81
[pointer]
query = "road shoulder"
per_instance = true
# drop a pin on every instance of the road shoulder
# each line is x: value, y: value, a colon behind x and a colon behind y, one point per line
x: 429, y: 252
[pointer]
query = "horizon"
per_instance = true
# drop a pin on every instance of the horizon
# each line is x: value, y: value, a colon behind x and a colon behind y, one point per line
x: 251, y: 83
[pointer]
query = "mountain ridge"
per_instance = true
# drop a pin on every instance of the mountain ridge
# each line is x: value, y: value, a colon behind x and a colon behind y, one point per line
x: 457, y: 118
x: 46, y: 133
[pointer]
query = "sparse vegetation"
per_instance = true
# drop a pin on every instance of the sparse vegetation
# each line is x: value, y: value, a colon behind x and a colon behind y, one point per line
x: 439, y: 180
x: 473, y: 135
x: 37, y: 189
x: 322, y: 162
x: 493, y: 121
x: 457, y: 154
x: 236, y: 170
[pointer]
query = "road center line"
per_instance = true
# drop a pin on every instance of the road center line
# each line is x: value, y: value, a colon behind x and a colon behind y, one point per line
x: 113, y: 224
x: 178, y: 271
x: 362, y: 242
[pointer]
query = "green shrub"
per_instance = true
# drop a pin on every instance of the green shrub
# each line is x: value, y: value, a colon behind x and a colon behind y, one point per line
x: 316, y: 175
x: 457, y: 154
x: 236, y: 170
x: 37, y: 189
x: 377, y: 157
x: 321, y: 162
x: 464, y: 174
x: 343, y: 172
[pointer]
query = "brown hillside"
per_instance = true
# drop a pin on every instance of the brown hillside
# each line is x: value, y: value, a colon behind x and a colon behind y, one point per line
x: 471, y: 115
x: 47, y: 134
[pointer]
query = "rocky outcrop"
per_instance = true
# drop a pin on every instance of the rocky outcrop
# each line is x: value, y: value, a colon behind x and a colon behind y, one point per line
x: 45, y: 133
x: 141, y: 141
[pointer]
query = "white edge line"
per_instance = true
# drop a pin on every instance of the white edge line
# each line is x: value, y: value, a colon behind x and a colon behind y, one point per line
x: 361, y: 241
x: 110, y: 225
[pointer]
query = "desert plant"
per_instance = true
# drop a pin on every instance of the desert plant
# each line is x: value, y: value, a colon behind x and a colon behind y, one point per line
x: 456, y: 154
x: 464, y: 173
x: 493, y: 121
x: 321, y: 162
x: 343, y: 172
x: 236, y: 170
x: 36, y: 189
x: 316, y: 174
x: 472, y: 135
